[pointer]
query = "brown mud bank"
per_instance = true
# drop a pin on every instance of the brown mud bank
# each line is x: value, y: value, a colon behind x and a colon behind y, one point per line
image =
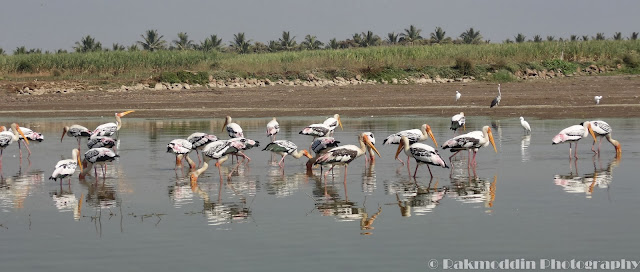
x: 556, y: 98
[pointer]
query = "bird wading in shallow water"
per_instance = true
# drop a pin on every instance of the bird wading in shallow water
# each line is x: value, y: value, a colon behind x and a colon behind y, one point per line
x: 458, y: 121
x: 8, y: 137
x: 109, y: 129
x: 422, y: 153
x: 66, y: 168
x: 471, y: 141
x: 272, y: 129
x: 525, y: 126
x: 573, y: 134
x: 414, y: 136
x: 603, y: 129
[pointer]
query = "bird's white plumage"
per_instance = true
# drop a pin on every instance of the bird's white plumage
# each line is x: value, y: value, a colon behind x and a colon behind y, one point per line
x: 107, y: 129
x: 571, y: 134
x: 65, y: 168
x: 316, y: 130
x: 321, y: 144
x: 199, y: 139
x: 281, y: 147
x: 525, y: 125
x: 457, y: 121
x: 599, y: 127
x: 273, y: 127
x: 179, y: 146
x: 99, y: 155
x: 414, y: 135
x: 78, y: 131
x: 597, y: 99
x: 30, y: 134
x: 458, y: 95
x: 233, y: 129
x: 101, y: 141
x: 332, y: 122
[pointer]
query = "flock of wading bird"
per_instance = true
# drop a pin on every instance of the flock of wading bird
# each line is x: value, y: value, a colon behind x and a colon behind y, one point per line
x: 326, y: 149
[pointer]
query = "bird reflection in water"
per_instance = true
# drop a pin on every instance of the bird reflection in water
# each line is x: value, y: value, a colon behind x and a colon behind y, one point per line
x: 281, y: 185
x: 419, y: 198
x: 524, y: 148
x: 474, y: 190
x: 65, y: 201
x: 15, y: 189
x: 586, y: 184
x: 344, y: 210
x: 369, y: 177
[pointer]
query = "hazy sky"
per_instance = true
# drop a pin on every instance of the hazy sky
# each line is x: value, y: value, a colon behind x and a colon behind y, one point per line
x: 55, y: 24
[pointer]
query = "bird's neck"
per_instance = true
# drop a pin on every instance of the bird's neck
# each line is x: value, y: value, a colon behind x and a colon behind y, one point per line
x: 201, y: 170
x: 296, y: 154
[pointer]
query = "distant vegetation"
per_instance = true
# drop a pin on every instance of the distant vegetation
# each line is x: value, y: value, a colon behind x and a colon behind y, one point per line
x: 399, y: 54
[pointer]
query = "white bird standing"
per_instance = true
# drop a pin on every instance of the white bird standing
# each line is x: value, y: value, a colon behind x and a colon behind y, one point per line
x: 245, y: 144
x: 458, y: 95
x: 108, y: 129
x: 333, y: 122
x: 29, y: 135
x: 573, y: 134
x: 525, y: 126
x: 272, y: 129
x: 98, y: 156
x: 199, y: 139
x: 319, y: 146
x: 284, y: 148
x: 66, y: 168
x: 414, y: 136
x: 316, y: 130
x: 343, y: 155
x: 603, y: 129
x: 422, y: 153
x: 219, y: 151
x: 234, y: 130
x: 8, y: 137
x: 181, y: 148
x: 597, y: 99
x: 370, y: 156
x: 101, y: 141
x: 496, y: 101
x: 458, y: 121
x: 76, y: 131
x: 471, y: 141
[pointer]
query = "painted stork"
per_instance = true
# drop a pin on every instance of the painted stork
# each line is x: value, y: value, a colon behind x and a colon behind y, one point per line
x: 343, y: 155
x: 414, y: 136
x: 471, y: 141
x: 199, y: 139
x: 109, y: 129
x: 272, y: 129
x: 284, y: 148
x: 602, y: 129
x: 244, y: 144
x: 458, y: 121
x: 29, y: 135
x: 525, y: 126
x: 101, y: 141
x: 98, y: 156
x: 316, y: 130
x: 219, y: 151
x: 597, y: 99
x: 181, y: 148
x: 8, y: 137
x: 370, y: 156
x: 458, y: 95
x: 496, y: 101
x: 574, y: 134
x: 66, y: 168
x: 333, y: 122
x: 76, y: 131
x: 234, y: 130
x: 319, y: 146
x: 422, y: 153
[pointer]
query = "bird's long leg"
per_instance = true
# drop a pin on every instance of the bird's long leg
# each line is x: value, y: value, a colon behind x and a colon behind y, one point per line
x: 452, y: 157
x: 416, y: 171
x: 1, y: 150
x: 198, y: 155
x: 430, y: 171
x: 78, y: 138
x: 398, y: 159
x: 576, y: 152
x: 599, y: 144
x: 408, y: 163
x: 28, y: 149
x: 570, y: 151
x: 281, y: 163
x: 345, y: 183
x: 408, y: 169
x: 326, y: 173
x: 474, y: 158
x: 20, y: 149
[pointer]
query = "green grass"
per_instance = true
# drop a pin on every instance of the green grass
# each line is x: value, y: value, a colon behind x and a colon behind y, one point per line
x: 382, y: 62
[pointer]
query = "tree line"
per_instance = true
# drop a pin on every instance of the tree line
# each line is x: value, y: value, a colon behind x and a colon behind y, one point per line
x: 151, y: 40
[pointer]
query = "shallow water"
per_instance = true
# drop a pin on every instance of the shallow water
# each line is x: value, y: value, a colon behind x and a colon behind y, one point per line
x: 527, y: 201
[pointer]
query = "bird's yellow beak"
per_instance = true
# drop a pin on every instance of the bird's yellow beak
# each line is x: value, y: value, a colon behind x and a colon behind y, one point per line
x: 124, y: 113
x: 618, y: 150
x: 400, y: 146
x: 226, y: 122
x: 431, y: 135
x: 79, y: 162
x: 493, y: 143
x: 20, y: 131
x: 306, y: 153
x: 366, y: 140
x: 592, y: 133
x: 193, y: 178
x: 64, y: 131
x: 340, y: 123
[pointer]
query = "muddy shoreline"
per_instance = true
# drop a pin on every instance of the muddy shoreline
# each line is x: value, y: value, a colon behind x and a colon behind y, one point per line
x: 551, y: 98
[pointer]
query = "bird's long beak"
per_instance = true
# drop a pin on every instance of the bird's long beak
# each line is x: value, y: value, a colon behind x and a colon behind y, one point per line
x: 591, y: 132
x: 64, y: 131
x: 431, y: 135
x: 400, y: 146
x: 193, y: 178
x: 124, y: 113
x: 306, y: 153
x: 340, y: 123
x: 618, y: 150
x: 79, y: 162
x: 20, y: 131
x: 366, y: 140
x: 226, y: 122
x: 493, y: 143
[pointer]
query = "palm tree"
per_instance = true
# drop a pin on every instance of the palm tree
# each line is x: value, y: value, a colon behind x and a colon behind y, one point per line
x: 551, y: 38
x: 133, y: 48
x: 287, y: 42
x: 259, y: 47
x: 152, y: 41
x: 333, y: 44
x: 183, y: 42
x: 87, y: 44
x: 508, y: 41
x: 585, y: 37
x: 117, y: 47
x: 392, y: 38
x: 311, y: 43
x: 211, y: 43
x: 617, y: 36
x: 600, y: 36
x: 471, y: 37
x: 273, y: 46
x: 520, y: 38
x: 634, y: 36
x: 411, y: 35
x: 369, y: 39
x: 537, y: 38
x: 573, y: 38
x: 240, y: 43
x: 356, y: 39
x: 438, y: 36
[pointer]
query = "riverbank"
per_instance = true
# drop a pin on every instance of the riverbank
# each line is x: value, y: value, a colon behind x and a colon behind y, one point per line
x: 552, y: 98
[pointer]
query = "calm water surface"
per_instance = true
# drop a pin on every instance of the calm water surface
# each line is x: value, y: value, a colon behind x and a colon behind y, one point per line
x: 527, y: 201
